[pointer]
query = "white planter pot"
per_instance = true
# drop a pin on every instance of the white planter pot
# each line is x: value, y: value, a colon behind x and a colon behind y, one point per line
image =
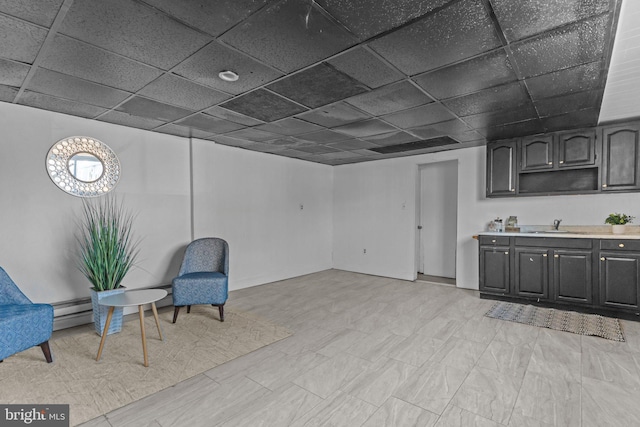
x: 619, y: 229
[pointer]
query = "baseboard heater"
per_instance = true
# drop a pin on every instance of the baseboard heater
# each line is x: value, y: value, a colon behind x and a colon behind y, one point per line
x: 76, y: 312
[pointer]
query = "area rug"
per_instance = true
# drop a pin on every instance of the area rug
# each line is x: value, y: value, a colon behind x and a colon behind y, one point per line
x: 568, y: 321
x: 195, y: 344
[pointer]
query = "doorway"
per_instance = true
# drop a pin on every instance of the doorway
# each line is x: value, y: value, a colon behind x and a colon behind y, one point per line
x: 437, y: 221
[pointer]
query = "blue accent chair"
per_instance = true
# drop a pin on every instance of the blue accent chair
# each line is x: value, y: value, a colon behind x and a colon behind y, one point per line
x: 203, y: 277
x: 23, y: 324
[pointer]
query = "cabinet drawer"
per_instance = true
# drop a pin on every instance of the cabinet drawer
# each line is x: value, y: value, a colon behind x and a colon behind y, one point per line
x: 620, y: 244
x: 494, y: 240
x: 551, y: 242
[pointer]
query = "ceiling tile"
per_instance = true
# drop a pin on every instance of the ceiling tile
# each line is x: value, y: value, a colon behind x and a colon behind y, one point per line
x: 289, y: 35
x: 417, y: 145
x: 183, y: 93
x: 563, y: 48
x: 572, y: 120
x: 318, y: 149
x: 20, y: 41
x: 575, y: 79
x: 75, y: 89
x: 391, y: 138
x: 502, y: 117
x: 12, y: 73
x: 211, y: 17
x: 46, y: 102
x: 232, y: 116
x: 524, y: 18
x: 368, y: 18
x: 289, y: 126
x: 365, y: 128
x: 497, y: 98
x: 234, y: 142
x: 324, y: 136
x: 39, y: 12
x: 209, y: 124
x: 469, y: 136
x: 287, y: 141
x: 204, y: 66
x: 337, y: 114
x: 128, y: 120
x: 448, y: 127
x: 423, y: 115
x: 253, y: 134
x: 8, y: 93
x: 389, y: 99
x: 340, y: 155
x: 134, y: 30
x: 568, y: 103
x: 352, y: 144
x: 78, y: 59
x: 365, y: 67
x: 461, y: 30
x: 319, y: 85
x: 469, y: 76
x: 263, y: 105
x: 151, y: 109
x: 184, y: 131
x: 529, y: 127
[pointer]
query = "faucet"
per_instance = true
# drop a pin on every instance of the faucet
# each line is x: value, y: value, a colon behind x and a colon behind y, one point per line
x: 556, y: 223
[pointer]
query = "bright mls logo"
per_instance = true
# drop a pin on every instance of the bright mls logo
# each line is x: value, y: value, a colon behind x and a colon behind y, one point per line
x: 34, y: 415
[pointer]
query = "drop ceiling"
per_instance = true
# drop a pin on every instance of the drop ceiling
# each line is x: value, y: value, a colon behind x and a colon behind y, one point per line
x: 328, y: 81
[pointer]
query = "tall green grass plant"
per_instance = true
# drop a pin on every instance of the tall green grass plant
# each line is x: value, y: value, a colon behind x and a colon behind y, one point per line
x: 107, y: 247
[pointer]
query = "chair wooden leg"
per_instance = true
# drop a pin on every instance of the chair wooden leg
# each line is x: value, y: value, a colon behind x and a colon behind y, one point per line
x: 175, y: 314
x: 188, y: 309
x: 220, y: 310
x: 47, y: 351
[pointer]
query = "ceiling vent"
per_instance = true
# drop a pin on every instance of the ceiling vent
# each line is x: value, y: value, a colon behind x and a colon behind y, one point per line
x: 416, y: 145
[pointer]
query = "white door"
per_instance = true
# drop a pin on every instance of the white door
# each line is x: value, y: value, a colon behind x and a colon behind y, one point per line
x: 438, y: 218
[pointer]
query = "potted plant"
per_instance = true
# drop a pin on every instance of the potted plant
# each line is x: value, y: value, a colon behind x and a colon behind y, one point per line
x: 618, y: 222
x: 107, y: 253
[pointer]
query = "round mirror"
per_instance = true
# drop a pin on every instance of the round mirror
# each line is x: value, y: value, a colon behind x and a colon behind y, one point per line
x: 83, y: 166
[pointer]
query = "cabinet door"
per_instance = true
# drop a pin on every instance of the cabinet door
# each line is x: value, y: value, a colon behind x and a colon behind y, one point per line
x: 501, y: 173
x: 576, y: 149
x: 494, y: 269
x: 531, y: 273
x: 619, y: 279
x: 572, y: 278
x: 536, y: 153
x: 621, y: 157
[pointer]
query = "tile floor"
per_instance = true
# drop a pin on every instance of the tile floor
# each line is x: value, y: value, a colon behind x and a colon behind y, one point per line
x: 372, y: 351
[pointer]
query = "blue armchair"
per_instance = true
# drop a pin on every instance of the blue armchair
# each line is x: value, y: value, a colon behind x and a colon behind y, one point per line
x: 23, y: 324
x: 203, y: 277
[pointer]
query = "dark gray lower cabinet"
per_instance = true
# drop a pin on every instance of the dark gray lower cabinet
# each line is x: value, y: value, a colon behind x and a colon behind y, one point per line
x: 531, y: 272
x: 494, y: 269
x: 572, y: 278
x: 619, y: 279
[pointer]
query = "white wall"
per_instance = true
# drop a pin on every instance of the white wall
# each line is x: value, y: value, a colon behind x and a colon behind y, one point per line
x: 253, y: 201
x: 37, y: 219
x: 368, y: 200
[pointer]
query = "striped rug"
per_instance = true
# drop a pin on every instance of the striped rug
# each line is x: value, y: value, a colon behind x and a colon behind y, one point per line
x: 568, y: 321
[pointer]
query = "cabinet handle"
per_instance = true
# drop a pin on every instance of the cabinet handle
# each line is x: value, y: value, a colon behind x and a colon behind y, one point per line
x: 602, y: 259
x: 556, y: 256
x: 621, y: 245
x: 506, y: 253
x: 513, y: 189
x: 604, y: 185
x: 561, y: 161
x: 550, y: 163
x: 493, y: 240
x: 544, y: 255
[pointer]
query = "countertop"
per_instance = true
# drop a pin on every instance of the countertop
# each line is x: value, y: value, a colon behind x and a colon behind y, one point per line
x: 595, y: 234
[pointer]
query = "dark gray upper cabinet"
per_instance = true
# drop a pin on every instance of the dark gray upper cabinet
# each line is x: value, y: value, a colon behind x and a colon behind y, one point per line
x: 536, y: 153
x: 621, y: 157
x: 576, y: 148
x: 501, y: 170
